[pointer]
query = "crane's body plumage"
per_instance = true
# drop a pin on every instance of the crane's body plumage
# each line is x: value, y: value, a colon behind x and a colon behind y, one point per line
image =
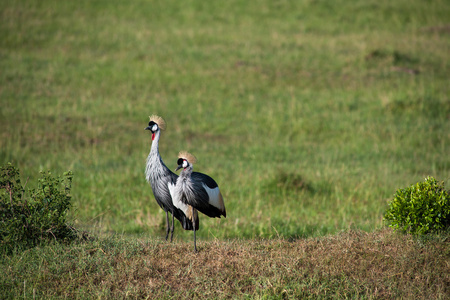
x: 199, y: 191
x: 163, y: 181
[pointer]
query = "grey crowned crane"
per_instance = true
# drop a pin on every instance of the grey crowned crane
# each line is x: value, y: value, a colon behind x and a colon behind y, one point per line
x: 162, y: 180
x: 197, y: 190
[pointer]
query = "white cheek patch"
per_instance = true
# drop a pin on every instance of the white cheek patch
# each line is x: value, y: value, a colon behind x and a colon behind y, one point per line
x: 154, y: 128
x: 185, y: 164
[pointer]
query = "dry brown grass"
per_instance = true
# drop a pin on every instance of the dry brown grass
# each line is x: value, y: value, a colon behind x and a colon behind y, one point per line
x: 379, y: 265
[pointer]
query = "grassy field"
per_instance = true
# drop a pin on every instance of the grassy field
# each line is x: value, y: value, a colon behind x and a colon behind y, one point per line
x: 309, y: 114
x: 351, y: 265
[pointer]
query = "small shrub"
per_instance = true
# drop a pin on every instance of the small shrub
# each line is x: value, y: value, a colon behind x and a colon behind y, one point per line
x: 27, y: 219
x: 421, y: 208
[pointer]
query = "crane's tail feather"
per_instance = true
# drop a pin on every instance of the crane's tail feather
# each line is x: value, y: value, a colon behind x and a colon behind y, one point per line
x: 185, y: 221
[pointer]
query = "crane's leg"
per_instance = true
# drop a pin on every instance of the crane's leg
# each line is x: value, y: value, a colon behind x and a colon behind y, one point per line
x: 195, y: 242
x: 167, y: 225
x: 171, y: 229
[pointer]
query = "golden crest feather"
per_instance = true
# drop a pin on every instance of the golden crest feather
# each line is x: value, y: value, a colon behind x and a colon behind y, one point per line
x: 158, y: 120
x: 187, y: 156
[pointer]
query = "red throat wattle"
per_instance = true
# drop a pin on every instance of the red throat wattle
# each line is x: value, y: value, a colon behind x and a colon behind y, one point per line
x: 153, y: 136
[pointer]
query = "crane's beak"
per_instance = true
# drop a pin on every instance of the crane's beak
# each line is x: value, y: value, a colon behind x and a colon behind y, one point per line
x: 178, y: 167
x: 147, y: 128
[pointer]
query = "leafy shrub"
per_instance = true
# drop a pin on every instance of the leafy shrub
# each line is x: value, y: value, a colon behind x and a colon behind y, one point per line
x: 420, y: 208
x: 27, y: 219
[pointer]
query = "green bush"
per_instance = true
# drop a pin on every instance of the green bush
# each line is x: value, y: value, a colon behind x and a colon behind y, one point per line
x: 421, y: 208
x: 29, y: 218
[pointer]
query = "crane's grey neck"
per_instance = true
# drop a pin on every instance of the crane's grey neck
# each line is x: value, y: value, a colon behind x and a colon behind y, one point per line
x: 187, y: 171
x: 155, y: 143
x: 155, y: 166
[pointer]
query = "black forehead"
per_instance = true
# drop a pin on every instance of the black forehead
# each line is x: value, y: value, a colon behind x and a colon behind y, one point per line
x: 151, y: 123
x: 180, y: 161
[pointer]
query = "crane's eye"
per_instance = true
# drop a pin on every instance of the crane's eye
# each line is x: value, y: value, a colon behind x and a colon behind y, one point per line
x: 153, y: 126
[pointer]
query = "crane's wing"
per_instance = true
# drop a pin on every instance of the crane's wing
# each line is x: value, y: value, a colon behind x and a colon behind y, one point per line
x: 208, y: 196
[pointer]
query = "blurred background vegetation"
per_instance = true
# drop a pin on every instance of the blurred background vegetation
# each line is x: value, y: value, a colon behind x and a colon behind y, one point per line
x: 309, y: 114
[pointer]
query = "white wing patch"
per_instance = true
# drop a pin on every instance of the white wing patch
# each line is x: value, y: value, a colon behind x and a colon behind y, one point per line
x: 176, y: 198
x: 188, y: 210
x: 215, y: 197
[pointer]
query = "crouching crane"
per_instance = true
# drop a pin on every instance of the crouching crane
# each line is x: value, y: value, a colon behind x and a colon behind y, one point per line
x: 196, y: 191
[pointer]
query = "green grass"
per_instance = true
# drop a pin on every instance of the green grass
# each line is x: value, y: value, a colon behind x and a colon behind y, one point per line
x: 309, y: 115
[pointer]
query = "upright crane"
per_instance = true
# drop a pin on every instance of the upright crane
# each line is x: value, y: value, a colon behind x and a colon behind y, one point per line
x: 162, y: 180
